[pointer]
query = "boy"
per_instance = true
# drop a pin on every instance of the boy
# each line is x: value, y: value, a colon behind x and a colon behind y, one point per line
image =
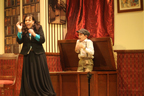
x: 84, y: 47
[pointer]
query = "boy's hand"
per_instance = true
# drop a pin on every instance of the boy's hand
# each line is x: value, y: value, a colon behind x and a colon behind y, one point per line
x: 77, y: 48
x: 82, y: 45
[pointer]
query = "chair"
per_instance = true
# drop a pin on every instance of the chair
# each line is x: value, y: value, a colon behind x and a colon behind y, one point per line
x: 8, y: 72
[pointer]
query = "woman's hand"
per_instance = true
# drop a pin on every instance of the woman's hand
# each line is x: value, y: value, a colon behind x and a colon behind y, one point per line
x: 19, y: 27
x: 32, y: 32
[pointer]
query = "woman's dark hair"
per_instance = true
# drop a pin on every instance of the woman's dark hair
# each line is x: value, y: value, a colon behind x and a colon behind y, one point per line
x: 35, y: 27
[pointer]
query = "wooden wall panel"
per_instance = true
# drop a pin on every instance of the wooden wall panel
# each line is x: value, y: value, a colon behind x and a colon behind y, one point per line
x: 102, y: 85
x: 84, y: 85
x: 69, y: 85
x: 112, y: 84
x: 76, y: 83
x: 56, y: 83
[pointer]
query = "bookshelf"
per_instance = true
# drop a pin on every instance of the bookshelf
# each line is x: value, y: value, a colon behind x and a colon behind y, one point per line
x: 12, y: 16
x: 32, y: 7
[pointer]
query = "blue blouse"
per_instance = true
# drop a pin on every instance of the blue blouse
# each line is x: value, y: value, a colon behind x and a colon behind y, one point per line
x: 37, y: 37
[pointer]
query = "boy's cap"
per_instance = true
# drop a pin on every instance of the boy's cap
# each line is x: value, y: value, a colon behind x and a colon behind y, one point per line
x: 84, y: 31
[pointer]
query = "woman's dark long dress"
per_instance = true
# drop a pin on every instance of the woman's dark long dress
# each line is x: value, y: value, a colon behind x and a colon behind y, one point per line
x: 35, y: 74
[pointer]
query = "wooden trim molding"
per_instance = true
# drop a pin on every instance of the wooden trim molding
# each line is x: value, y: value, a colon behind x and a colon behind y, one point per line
x: 129, y: 51
x: 118, y: 51
x: 52, y: 54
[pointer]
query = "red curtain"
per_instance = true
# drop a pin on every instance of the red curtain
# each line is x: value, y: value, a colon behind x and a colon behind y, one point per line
x: 97, y: 16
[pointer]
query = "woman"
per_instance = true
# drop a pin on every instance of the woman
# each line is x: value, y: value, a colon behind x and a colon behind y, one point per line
x: 35, y: 74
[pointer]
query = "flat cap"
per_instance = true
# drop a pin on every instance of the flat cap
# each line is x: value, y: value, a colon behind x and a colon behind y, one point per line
x: 84, y: 31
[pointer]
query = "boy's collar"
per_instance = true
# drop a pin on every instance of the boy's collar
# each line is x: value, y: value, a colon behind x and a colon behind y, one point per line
x: 84, y: 40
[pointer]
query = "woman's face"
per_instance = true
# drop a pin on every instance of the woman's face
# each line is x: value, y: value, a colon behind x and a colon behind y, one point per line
x: 29, y: 22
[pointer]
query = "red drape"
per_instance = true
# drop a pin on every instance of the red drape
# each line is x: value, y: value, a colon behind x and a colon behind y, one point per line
x: 97, y: 16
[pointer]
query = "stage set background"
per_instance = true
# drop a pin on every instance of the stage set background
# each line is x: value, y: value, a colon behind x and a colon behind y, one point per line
x: 130, y: 72
x: 99, y: 19
x: 130, y: 57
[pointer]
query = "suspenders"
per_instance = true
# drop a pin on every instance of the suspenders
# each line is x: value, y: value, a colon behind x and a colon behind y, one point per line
x: 86, y: 47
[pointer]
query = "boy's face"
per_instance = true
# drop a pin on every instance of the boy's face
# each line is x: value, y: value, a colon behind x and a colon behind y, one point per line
x: 81, y: 36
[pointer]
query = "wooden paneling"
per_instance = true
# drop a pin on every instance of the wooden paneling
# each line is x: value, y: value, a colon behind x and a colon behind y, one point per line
x: 69, y: 85
x: 102, y: 85
x: 103, y: 56
x: 76, y: 83
x: 56, y: 83
x: 112, y: 85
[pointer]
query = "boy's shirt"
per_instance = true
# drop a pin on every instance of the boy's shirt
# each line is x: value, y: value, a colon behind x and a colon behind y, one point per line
x: 88, y: 51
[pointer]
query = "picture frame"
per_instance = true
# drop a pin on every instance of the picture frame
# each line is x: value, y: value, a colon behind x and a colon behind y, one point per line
x: 57, y: 11
x: 129, y: 5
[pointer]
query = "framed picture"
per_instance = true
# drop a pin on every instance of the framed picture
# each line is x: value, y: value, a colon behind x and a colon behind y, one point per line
x: 57, y: 11
x: 129, y: 5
